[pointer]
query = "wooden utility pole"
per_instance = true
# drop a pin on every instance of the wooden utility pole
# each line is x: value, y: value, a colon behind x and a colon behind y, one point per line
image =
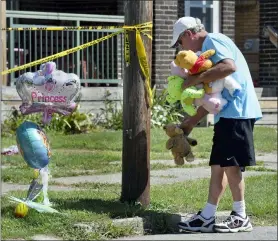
x: 3, y: 78
x: 136, y: 113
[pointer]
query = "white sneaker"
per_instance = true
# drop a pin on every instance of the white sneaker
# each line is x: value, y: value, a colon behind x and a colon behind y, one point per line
x: 233, y: 224
x: 198, y: 224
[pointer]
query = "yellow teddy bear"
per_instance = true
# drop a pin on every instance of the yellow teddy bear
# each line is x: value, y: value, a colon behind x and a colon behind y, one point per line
x: 194, y: 64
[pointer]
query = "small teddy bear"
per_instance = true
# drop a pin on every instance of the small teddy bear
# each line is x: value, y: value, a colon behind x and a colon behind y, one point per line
x: 179, y: 144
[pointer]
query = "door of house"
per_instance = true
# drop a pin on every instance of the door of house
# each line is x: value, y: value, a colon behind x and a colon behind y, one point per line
x: 207, y: 11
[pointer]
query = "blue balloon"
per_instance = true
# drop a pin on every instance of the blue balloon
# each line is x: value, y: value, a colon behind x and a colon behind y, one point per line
x: 33, y: 144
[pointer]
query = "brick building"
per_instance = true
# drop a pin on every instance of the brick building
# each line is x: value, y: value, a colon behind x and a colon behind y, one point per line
x: 242, y: 20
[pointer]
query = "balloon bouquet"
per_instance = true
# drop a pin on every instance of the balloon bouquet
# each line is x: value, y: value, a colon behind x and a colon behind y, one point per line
x: 49, y: 91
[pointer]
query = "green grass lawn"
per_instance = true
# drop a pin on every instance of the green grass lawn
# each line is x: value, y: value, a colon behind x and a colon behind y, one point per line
x: 79, y: 154
x: 99, y: 205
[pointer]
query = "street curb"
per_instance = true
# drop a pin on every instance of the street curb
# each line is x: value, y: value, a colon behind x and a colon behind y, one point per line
x: 44, y: 237
x: 150, y: 224
x: 161, y: 223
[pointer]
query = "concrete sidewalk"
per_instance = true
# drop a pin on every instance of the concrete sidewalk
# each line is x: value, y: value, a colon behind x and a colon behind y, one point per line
x: 158, y: 177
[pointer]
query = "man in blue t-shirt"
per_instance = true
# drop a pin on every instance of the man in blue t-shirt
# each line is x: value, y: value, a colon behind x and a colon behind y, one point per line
x: 233, y: 145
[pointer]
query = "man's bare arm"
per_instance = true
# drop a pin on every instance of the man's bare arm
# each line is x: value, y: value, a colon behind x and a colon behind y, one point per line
x: 218, y: 71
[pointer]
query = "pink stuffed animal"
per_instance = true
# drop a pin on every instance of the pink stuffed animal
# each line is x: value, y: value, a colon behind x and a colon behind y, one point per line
x: 213, y: 103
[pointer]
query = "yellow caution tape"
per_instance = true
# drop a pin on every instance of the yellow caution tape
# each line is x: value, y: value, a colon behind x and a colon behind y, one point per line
x: 139, y: 26
x: 146, y: 34
x: 69, y: 28
x: 143, y: 62
x: 61, y: 54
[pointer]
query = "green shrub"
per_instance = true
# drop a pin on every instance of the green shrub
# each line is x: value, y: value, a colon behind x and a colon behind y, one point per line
x: 14, y: 119
x: 163, y: 113
x: 111, y: 116
x: 74, y: 123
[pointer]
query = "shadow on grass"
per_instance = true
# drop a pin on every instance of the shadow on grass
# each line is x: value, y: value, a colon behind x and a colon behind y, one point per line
x: 155, y: 221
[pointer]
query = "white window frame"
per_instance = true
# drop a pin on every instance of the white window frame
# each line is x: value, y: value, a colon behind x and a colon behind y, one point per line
x: 215, y: 13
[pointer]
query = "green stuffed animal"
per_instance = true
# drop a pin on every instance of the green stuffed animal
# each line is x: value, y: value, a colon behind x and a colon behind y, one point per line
x: 186, y: 97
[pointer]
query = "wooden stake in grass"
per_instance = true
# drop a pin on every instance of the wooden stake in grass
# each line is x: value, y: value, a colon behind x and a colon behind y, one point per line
x: 136, y: 113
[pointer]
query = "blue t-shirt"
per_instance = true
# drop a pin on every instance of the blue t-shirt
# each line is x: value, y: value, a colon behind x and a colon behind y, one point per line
x: 246, y: 105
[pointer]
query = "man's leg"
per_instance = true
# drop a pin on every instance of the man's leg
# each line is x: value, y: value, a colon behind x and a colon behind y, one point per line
x: 236, y: 182
x: 217, y: 186
x: 236, y: 159
x: 238, y: 220
x: 237, y: 186
x: 204, y: 221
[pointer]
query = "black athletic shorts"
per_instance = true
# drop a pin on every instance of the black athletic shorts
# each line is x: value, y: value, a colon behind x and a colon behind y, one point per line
x: 233, y: 143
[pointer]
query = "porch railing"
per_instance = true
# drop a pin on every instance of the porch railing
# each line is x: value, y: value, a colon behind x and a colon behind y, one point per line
x: 99, y: 64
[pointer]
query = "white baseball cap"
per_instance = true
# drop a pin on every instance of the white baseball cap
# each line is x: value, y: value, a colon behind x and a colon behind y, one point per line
x: 183, y: 24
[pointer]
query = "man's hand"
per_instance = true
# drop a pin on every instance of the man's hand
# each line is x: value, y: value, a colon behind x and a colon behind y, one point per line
x: 191, y: 80
x: 189, y: 123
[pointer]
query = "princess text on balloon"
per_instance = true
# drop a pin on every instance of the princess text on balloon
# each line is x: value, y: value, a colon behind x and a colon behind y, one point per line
x: 44, y: 98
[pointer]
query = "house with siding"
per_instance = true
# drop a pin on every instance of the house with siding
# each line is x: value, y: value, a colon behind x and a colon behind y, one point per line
x: 252, y: 24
